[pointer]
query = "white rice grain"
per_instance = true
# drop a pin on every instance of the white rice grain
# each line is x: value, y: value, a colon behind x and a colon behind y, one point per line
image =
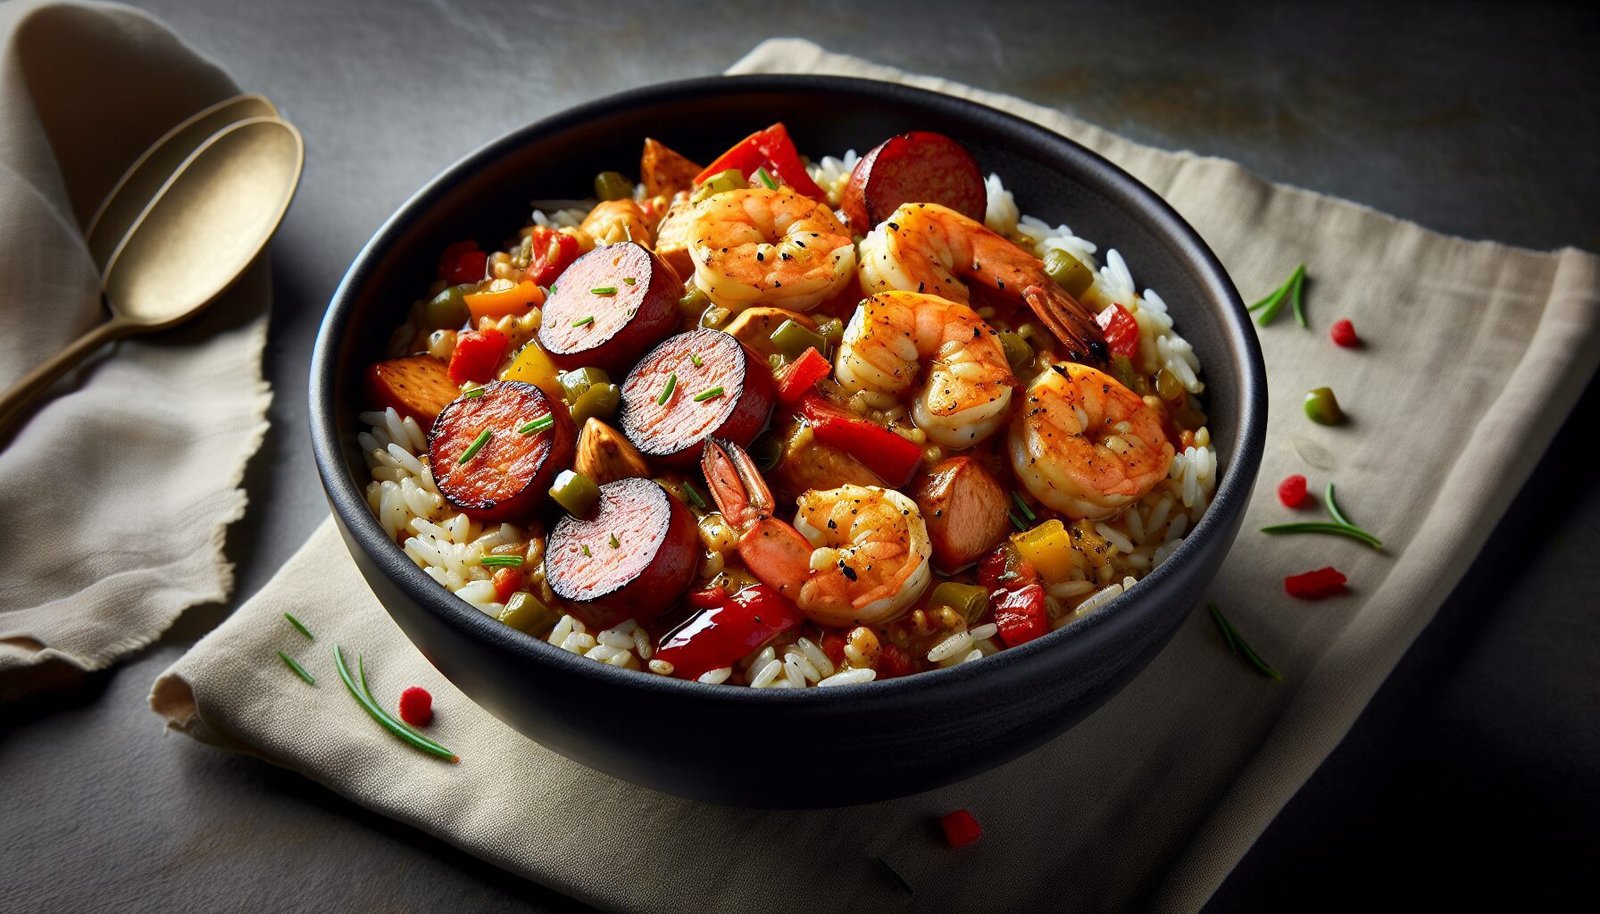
x: 717, y: 676
x: 768, y: 672
x: 949, y: 647
x: 849, y: 677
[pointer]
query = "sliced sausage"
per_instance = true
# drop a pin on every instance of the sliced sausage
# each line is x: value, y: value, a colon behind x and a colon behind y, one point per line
x: 632, y: 559
x: 717, y: 387
x: 418, y: 386
x: 608, y: 307
x: 510, y: 472
x: 664, y: 171
x: 964, y: 507
x: 919, y: 167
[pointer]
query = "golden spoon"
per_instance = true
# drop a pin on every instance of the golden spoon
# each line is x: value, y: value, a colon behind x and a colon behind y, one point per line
x: 193, y: 240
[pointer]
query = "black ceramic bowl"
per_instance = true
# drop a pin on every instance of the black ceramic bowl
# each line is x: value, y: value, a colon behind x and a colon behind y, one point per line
x: 884, y: 739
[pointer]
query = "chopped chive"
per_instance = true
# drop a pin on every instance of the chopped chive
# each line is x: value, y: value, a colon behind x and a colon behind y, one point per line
x: 298, y: 669
x: 474, y: 392
x: 1237, y: 645
x: 1016, y: 521
x: 1353, y: 532
x: 694, y: 496
x: 585, y: 550
x: 584, y: 321
x: 300, y: 626
x: 629, y: 280
x: 1272, y: 304
x: 1023, y: 506
x: 765, y: 178
x: 537, y: 425
x: 502, y: 561
x: 615, y: 543
x: 695, y: 358
x: 552, y: 288
x: 364, y: 698
x: 476, y: 446
x: 890, y: 872
x: 1295, y: 301
x: 1333, y: 506
x: 705, y: 395
x: 666, y: 391
x: 603, y: 290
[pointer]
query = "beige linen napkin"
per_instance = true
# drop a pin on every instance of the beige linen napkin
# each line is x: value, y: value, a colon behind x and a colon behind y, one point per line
x: 119, y: 487
x: 1475, y: 353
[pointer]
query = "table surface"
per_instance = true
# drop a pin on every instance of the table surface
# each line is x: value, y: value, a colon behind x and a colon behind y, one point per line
x: 1480, y: 755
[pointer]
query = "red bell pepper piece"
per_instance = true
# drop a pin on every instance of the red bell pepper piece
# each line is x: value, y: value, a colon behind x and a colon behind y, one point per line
x: 550, y: 253
x: 771, y: 149
x: 893, y: 662
x: 798, y: 377
x: 1344, y: 334
x: 477, y: 355
x: 1292, y: 491
x: 507, y: 581
x: 1121, y: 330
x: 1004, y: 568
x: 416, y: 706
x: 892, y: 457
x: 727, y: 630
x: 462, y: 262
x: 833, y: 645
x: 961, y: 828
x: 1314, y: 585
x: 1020, y: 614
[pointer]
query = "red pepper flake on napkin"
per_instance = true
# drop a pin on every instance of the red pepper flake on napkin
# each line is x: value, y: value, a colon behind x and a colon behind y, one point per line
x: 1315, y: 585
x: 961, y: 828
x: 416, y: 706
x: 1292, y: 491
x: 1344, y: 334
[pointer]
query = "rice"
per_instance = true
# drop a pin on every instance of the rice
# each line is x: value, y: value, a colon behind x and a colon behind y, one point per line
x: 450, y: 547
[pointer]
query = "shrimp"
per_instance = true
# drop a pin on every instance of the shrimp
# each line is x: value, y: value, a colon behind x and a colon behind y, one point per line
x: 774, y: 247
x: 1085, y: 445
x: 967, y: 390
x: 926, y: 247
x: 855, y: 555
x: 614, y: 221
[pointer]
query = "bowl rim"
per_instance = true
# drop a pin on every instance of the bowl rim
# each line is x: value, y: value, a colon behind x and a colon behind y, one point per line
x: 1176, y: 238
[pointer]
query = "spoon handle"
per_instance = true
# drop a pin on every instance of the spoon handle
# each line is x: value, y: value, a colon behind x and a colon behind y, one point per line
x: 13, y: 402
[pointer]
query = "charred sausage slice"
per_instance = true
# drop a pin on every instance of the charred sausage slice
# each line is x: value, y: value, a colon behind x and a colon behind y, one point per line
x: 608, y: 307
x: 919, y: 167
x: 631, y: 560
x: 418, y: 386
x: 692, y: 386
x: 526, y: 439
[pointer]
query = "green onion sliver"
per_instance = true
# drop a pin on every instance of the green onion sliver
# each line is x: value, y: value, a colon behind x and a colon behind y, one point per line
x: 615, y: 543
x: 1016, y: 521
x: 1335, y: 529
x: 1272, y: 304
x: 364, y: 699
x: 695, y: 358
x: 501, y: 561
x: 666, y: 392
x: 629, y: 280
x: 474, y: 392
x: 1237, y: 645
x: 298, y: 669
x: 694, y: 496
x: 473, y: 448
x: 765, y: 178
x: 1299, y: 280
x: 300, y: 626
x: 584, y: 321
x: 603, y: 290
x: 537, y: 425
x: 705, y: 395
x: 1333, y: 506
x: 1023, y: 507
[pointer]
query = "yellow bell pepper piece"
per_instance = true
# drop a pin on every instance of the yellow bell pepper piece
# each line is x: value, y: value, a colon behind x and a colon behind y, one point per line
x: 534, y: 367
x: 514, y: 301
x: 1048, y: 548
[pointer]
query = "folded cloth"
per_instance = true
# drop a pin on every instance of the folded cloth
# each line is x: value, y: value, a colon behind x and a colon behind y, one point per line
x: 1475, y: 352
x: 120, y: 486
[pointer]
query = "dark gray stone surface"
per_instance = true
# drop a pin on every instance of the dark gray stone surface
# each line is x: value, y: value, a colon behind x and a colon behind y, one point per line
x: 1475, y: 773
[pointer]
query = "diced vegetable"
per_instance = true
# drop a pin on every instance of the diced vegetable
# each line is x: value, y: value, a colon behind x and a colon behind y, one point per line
x: 1344, y: 334
x: 1292, y: 491
x: 1049, y: 549
x: 892, y: 457
x: 1017, y: 350
x: 1068, y: 272
x: 893, y: 662
x: 1020, y: 614
x: 798, y: 377
x: 1005, y: 568
x: 462, y: 262
x: 773, y: 150
x: 448, y: 310
x: 720, y: 183
x: 970, y: 600
x: 551, y: 252
x: 728, y: 628
x: 1322, y: 407
x: 515, y: 301
x: 416, y: 706
x: 477, y: 355
x: 1315, y: 585
x: 525, y: 613
x: 575, y: 492
x: 612, y: 185
x: 418, y: 386
x: 532, y: 366
x: 507, y: 581
x: 1121, y: 330
x: 576, y: 383
x: 598, y: 402
x: 832, y: 330
x: 792, y: 339
x: 960, y: 828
